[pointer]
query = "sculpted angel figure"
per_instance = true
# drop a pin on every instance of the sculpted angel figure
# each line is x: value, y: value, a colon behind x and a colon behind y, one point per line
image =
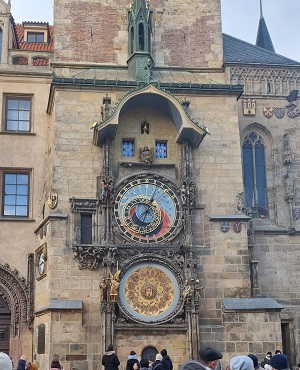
x: 146, y: 154
x: 114, y: 285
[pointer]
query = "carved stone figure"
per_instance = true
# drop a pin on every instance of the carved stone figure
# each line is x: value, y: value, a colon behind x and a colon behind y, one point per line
x: 287, y: 151
x: 192, y: 195
x: 183, y: 193
x: 187, y: 292
x: 103, y: 190
x: 103, y: 287
x: 114, y: 286
x: 197, y: 289
x: 146, y: 154
x: 289, y: 184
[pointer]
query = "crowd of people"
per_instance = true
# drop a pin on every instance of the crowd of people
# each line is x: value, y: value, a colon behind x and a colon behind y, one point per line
x: 6, y: 363
x: 161, y: 361
x: 209, y: 359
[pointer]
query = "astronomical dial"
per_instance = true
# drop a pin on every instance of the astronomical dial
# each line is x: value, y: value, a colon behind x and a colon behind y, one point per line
x: 147, y: 210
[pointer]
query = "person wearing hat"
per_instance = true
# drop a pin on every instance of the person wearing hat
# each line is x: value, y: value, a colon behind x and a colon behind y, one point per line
x: 209, y: 359
x: 55, y: 365
x: 157, y: 364
x: 132, y: 359
x: 266, y: 360
x: 110, y: 360
x: 5, y: 361
x: 255, y: 362
x: 279, y: 362
x: 166, y: 361
x: 241, y: 363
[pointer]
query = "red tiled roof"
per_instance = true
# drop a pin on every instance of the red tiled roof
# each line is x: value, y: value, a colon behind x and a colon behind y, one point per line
x: 32, y: 45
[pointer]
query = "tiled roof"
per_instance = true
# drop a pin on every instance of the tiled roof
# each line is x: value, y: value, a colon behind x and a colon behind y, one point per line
x: 32, y: 45
x: 240, y: 52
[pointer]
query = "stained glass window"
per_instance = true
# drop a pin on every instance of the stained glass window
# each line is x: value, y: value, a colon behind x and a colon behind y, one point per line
x: 254, y: 172
x: 161, y: 149
x: 128, y: 148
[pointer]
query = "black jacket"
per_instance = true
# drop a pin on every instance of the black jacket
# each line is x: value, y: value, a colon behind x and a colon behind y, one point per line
x: 157, y: 365
x: 131, y: 362
x: 167, y: 362
x: 110, y: 361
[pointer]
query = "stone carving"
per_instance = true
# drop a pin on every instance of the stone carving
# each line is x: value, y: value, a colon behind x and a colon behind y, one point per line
x: 187, y: 292
x: 197, y: 289
x: 289, y: 185
x: 149, y: 65
x: 287, y: 151
x: 146, y: 155
x: 88, y: 257
x: 114, y: 286
x: 18, y: 293
x: 105, y: 108
x: 103, y: 286
x: 259, y: 81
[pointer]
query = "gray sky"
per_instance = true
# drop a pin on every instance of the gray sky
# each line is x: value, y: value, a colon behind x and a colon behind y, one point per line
x: 240, y: 19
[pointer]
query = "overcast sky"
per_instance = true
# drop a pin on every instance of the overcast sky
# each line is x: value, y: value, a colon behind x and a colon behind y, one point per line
x: 240, y: 19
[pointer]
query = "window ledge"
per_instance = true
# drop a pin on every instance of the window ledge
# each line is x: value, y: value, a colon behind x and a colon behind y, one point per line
x: 16, y: 219
x: 17, y: 133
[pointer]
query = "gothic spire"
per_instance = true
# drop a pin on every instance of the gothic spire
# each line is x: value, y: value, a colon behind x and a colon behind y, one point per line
x: 263, y: 38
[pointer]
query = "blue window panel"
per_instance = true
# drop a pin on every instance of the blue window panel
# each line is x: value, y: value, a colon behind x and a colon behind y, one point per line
x: 161, y: 150
x: 248, y: 176
x: 16, y: 197
x: 128, y: 148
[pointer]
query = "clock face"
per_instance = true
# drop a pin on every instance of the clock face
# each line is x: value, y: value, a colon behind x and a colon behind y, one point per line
x: 41, y: 265
x: 147, y: 210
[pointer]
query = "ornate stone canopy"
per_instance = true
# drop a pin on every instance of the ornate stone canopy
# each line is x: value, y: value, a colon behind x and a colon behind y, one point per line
x: 155, y: 98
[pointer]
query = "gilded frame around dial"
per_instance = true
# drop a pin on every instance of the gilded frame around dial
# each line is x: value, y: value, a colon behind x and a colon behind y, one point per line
x: 147, y: 210
x: 150, y: 293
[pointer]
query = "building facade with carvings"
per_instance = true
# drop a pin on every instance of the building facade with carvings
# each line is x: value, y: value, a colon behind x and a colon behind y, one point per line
x: 149, y: 174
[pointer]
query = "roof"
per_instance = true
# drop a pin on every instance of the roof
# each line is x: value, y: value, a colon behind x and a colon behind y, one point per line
x: 263, y: 39
x: 237, y: 51
x: 32, y: 45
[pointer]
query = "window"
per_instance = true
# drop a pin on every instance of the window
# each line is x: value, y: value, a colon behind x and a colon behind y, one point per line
x: 86, y: 228
x: 18, y: 114
x: 161, y: 149
x: 128, y: 148
x: 141, y: 37
x: 254, y: 173
x: 37, y: 37
x: 16, y: 194
x: 21, y: 61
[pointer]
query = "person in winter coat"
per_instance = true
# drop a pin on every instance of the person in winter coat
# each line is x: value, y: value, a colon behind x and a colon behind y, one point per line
x: 55, y: 365
x: 157, y: 364
x: 144, y: 364
x: 166, y: 361
x: 22, y: 363
x: 110, y: 360
x: 132, y: 359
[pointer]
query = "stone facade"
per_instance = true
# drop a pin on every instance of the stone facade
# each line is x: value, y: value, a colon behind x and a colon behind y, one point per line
x: 93, y: 217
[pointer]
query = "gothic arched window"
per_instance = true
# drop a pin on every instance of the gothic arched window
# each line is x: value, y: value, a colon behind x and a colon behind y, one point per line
x: 254, y: 174
x: 141, y: 37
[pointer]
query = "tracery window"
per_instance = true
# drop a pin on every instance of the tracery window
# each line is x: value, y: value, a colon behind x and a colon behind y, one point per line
x: 254, y: 174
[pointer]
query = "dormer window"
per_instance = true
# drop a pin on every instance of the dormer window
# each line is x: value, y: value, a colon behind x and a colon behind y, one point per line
x: 36, y: 32
x: 36, y: 37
